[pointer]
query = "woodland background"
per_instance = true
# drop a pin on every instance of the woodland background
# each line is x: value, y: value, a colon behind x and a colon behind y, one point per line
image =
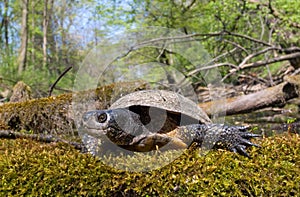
x: 252, y: 42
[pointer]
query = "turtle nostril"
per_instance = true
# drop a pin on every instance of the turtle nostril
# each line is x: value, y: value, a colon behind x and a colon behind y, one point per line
x: 86, y: 116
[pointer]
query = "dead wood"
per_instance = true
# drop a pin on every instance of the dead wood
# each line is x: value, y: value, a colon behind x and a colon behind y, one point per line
x: 273, y: 96
x: 8, y: 134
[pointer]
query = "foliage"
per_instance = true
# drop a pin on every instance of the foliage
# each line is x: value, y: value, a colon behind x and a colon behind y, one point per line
x: 77, y: 26
x: 225, y: 26
x: 31, y: 168
x: 61, y: 49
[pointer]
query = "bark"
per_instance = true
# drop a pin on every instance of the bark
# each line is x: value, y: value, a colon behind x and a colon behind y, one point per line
x: 8, y: 134
x: 45, y: 27
x: 276, y: 95
x: 32, y: 7
x: 24, y: 37
x: 5, y: 24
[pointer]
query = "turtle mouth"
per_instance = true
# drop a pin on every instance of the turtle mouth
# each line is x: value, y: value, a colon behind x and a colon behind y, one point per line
x: 87, y: 126
x: 94, y: 132
x: 94, y: 127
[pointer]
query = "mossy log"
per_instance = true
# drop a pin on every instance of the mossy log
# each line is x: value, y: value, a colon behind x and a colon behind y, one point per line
x: 29, y: 168
x: 276, y: 95
x: 54, y: 115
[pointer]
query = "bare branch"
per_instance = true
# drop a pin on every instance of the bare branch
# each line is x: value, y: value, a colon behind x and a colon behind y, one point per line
x: 249, y: 38
x: 272, y: 30
x: 8, y: 134
x: 296, y: 72
x: 262, y: 63
x: 237, y: 45
x: 210, y: 67
x: 278, y: 94
x: 57, y: 80
x: 256, y: 54
x: 270, y: 75
x: 257, y: 79
x: 262, y: 28
x: 271, y: 61
x: 222, y: 33
x: 291, y: 50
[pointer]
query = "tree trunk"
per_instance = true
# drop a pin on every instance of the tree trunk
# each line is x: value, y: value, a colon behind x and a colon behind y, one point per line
x: 24, y: 37
x: 45, y: 27
x: 33, y: 32
x: 5, y: 23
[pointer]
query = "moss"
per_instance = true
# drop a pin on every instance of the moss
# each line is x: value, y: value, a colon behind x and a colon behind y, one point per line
x: 21, y: 92
x: 35, y: 169
x: 53, y: 115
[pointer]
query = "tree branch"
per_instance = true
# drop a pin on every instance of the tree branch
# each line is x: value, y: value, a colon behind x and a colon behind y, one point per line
x: 210, y: 67
x: 249, y: 38
x: 271, y: 61
x: 7, y: 134
x: 263, y: 63
x: 57, y: 80
x: 237, y: 45
x: 256, y: 54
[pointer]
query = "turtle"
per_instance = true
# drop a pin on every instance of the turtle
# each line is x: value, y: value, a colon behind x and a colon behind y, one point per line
x: 150, y: 120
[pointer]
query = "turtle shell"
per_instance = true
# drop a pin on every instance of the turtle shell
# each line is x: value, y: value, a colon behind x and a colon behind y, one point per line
x: 162, y: 111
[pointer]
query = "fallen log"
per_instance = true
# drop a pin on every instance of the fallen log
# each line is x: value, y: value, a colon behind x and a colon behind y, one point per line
x: 55, y: 115
x: 273, y: 96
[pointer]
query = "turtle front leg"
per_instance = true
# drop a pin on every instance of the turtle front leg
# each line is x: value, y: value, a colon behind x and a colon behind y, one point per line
x: 236, y: 139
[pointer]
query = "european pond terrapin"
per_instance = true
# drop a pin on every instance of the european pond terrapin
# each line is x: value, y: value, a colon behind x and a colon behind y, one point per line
x: 157, y: 119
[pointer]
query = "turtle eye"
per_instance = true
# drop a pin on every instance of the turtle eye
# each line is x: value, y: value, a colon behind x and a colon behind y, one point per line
x: 102, y: 118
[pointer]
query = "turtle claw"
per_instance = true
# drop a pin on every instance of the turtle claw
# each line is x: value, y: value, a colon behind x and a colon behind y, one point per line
x: 247, y: 143
x: 247, y: 135
x: 241, y: 150
x: 236, y: 139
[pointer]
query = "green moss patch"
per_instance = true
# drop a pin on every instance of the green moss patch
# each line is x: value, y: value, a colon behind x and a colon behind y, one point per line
x: 32, y: 168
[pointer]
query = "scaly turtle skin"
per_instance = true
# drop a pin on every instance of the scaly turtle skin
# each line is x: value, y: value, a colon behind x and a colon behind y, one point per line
x: 127, y: 124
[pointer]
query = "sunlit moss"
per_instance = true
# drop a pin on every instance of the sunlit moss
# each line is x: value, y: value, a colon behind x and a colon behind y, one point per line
x: 32, y: 168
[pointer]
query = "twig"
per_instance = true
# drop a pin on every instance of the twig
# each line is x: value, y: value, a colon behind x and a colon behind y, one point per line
x: 262, y: 28
x: 271, y: 61
x: 214, y: 34
x: 57, y: 80
x: 257, y: 79
x: 296, y: 72
x: 256, y: 54
x: 249, y: 38
x: 262, y: 63
x: 237, y: 45
x: 210, y: 67
x: 8, y: 134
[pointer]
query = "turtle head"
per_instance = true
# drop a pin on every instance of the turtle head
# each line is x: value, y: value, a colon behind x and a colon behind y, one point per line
x: 100, y: 120
x: 117, y: 124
